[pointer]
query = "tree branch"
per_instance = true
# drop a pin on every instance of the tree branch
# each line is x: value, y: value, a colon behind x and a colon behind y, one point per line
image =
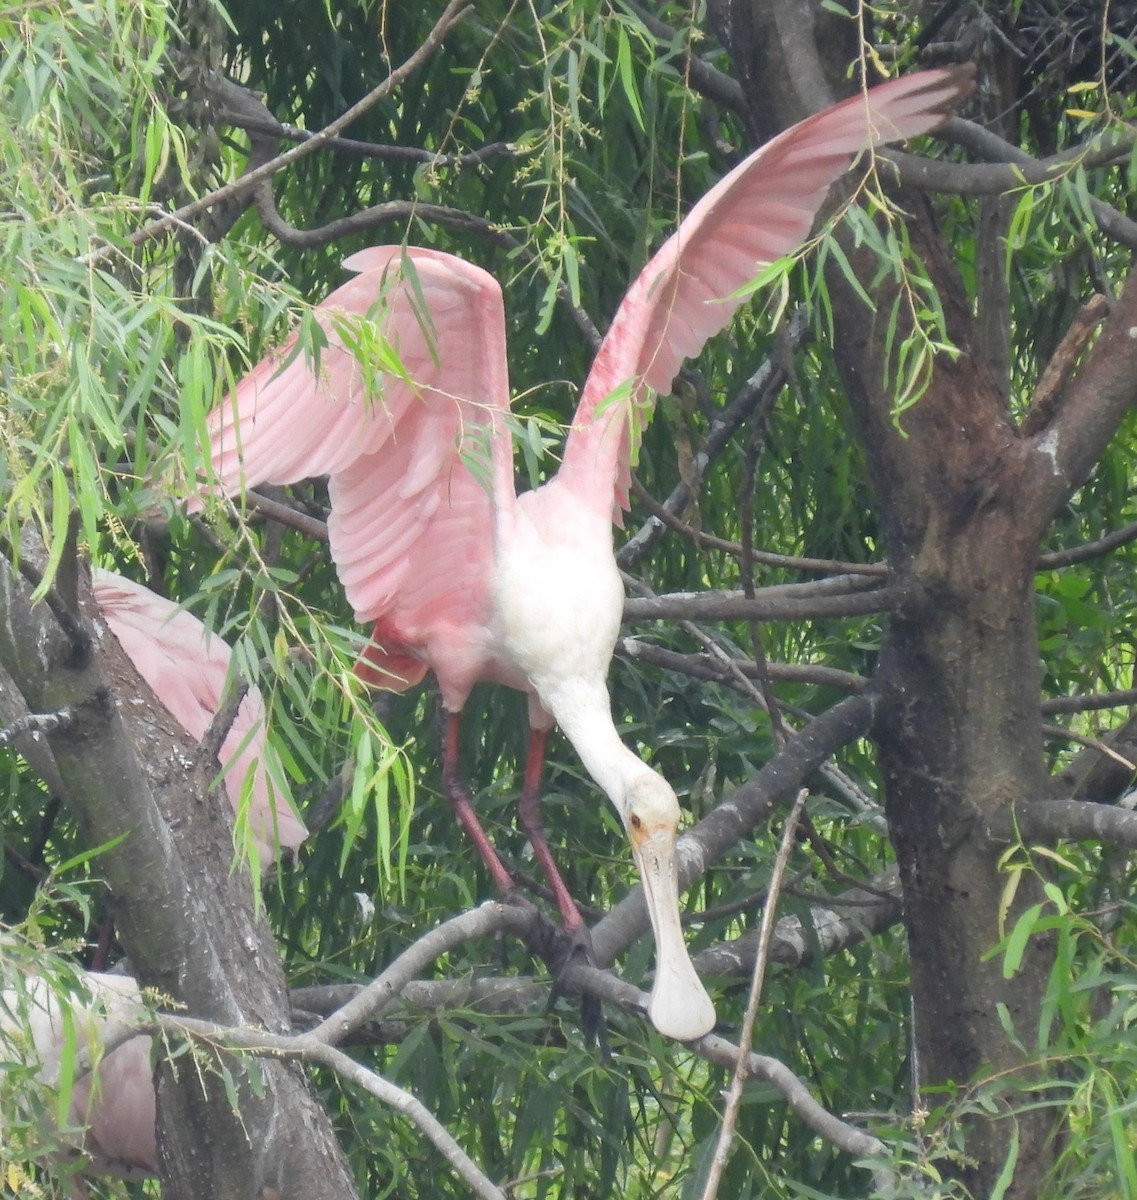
x: 1012, y: 169
x: 453, y: 13
x: 373, y: 1001
x: 1095, y: 401
x: 707, y: 666
x: 758, y: 391
x: 309, y: 1048
x: 848, y: 596
x: 737, y: 814
x: 1049, y: 821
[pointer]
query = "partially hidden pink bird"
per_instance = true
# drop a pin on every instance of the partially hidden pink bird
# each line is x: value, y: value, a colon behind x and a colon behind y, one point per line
x: 187, y: 668
x: 112, y: 1107
x: 461, y: 576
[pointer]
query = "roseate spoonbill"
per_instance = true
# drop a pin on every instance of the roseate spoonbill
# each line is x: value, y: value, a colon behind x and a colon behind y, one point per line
x: 464, y: 578
x: 186, y: 669
x: 113, y: 1105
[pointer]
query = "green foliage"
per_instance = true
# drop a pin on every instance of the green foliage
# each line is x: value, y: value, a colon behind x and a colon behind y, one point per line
x: 108, y: 370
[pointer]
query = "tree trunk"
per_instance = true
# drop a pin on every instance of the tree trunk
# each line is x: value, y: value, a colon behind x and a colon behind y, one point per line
x: 958, y: 724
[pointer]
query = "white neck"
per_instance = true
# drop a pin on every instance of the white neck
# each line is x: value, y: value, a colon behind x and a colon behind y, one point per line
x: 583, y: 710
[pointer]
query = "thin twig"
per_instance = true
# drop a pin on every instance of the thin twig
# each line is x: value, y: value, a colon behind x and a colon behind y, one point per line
x: 361, y: 149
x: 741, y: 1070
x: 38, y: 723
x: 1067, y: 735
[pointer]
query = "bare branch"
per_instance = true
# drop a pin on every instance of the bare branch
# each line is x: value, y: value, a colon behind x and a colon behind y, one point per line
x: 1092, y: 703
x: 1048, y: 390
x: 1078, y: 554
x: 741, y: 1066
x: 701, y: 76
x: 68, y: 621
x: 222, y: 722
x: 452, y: 14
x: 361, y: 149
x: 707, y: 666
x: 373, y: 1001
x: 38, y: 723
x: 838, y: 597
x: 871, y: 909
x: 1013, y: 168
x: 1049, y: 821
x: 758, y: 391
x: 736, y: 815
x: 1094, y: 403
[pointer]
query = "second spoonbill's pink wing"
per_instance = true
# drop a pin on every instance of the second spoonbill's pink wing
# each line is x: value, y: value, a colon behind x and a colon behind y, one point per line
x: 758, y: 213
x: 413, y: 439
x: 186, y: 669
x: 114, y: 1106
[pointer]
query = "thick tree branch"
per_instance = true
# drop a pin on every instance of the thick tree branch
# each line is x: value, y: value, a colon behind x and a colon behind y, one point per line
x: 309, y: 1048
x: 849, y: 596
x: 1009, y: 168
x: 1095, y: 401
x: 189, y: 930
x: 1050, y: 821
x: 868, y: 910
x: 378, y: 996
x: 701, y: 76
x: 738, y: 813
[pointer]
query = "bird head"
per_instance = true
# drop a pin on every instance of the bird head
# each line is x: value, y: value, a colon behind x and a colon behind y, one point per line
x: 679, y: 1005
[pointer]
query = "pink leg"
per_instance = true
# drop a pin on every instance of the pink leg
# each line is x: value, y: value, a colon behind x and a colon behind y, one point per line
x: 459, y: 796
x: 529, y: 811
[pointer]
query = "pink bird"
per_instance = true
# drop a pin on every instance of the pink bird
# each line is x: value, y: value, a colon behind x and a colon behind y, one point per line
x: 112, y: 1108
x: 464, y: 578
x: 186, y: 669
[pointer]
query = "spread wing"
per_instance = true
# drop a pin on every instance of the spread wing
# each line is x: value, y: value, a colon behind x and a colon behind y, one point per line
x: 760, y: 212
x: 186, y: 669
x: 410, y: 431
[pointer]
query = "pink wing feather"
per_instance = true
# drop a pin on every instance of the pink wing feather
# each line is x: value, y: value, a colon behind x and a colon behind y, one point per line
x: 417, y: 459
x: 186, y: 669
x: 118, y: 1116
x: 758, y: 213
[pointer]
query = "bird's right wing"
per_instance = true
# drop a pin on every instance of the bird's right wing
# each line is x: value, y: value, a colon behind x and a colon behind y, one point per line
x: 408, y: 423
x: 758, y: 213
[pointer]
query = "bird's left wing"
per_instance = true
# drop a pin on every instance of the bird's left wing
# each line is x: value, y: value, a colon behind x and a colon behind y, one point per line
x: 758, y: 213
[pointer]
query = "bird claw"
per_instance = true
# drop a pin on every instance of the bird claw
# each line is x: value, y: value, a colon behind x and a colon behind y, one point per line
x: 570, y: 947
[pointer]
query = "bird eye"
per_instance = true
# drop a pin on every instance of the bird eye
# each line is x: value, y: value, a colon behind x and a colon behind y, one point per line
x: 635, y: 821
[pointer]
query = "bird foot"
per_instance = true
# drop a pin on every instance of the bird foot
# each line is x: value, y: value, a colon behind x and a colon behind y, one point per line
x: 559, y: 948
x: 569, y: 948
